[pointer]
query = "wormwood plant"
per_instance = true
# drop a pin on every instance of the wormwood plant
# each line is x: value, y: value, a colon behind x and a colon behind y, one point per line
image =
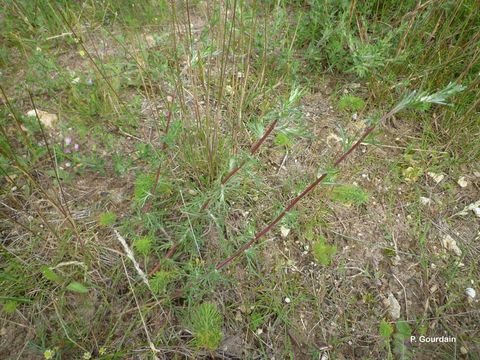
x: 415, y: 100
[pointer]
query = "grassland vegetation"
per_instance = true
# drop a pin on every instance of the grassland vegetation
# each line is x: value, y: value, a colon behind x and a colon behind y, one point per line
x: 159, y: 163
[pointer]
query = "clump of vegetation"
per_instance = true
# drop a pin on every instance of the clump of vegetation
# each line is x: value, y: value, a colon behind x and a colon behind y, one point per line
x: 351, y: 103
x: 107, y: 218
x: 206, y: 322
x: 160, y: 281
x: 349, y: 195
x: 143, y: 245
x: 323, y: 252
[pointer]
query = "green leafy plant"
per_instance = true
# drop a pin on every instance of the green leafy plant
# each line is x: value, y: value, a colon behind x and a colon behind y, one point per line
x: 206, y: 322
x: 77, y: 287
x: 143, y: 186
x: 282, y: 139
x: 143, y: 245
x: 351, y: 103
x: 350, y: 195
x: 107, y: 218
x: 401, y: 336
x: 160, y: 281
x: 386, y: 332
x: 146, y: 185
x: 51, y: 275
x: 10, y: 306
x: 323, y: 252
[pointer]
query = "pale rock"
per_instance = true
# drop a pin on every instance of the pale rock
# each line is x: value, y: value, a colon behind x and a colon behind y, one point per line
x: 451, y: 245
x: 476, y: 210
x: 393, y: 307
x: 462, y: 182
x: 284, y: 231
x: 333, y: 137
x: 436, y: 177
x: 425, y: 200
x: 47, y: 119
x: 471, y: 293
x: 150, y: 40
x: 475, y: 207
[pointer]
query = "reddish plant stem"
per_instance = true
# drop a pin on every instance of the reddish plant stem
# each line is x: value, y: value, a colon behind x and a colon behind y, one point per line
x: 169, y: 255
x: 259, y: 143
x: 301, y: 195
x: 253, y: 150
x: 148, y: 205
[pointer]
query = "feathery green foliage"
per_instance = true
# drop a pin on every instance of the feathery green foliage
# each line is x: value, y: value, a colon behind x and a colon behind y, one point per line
x: 323, y: 252
x: 206, y: 324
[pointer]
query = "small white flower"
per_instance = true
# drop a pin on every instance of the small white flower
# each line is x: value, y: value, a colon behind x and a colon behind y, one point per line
x: 287, y: 300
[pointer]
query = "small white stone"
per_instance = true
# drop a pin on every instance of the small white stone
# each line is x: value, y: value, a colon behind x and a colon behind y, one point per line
x: 476, y: 211
x: 462, y: 182
x: 425, y: 200
x: 471, y: 293
x: 450, y: 244
x: 287, y: 300
x: 436, y: 177
x: 284, y: 231
x: 393, y: 307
